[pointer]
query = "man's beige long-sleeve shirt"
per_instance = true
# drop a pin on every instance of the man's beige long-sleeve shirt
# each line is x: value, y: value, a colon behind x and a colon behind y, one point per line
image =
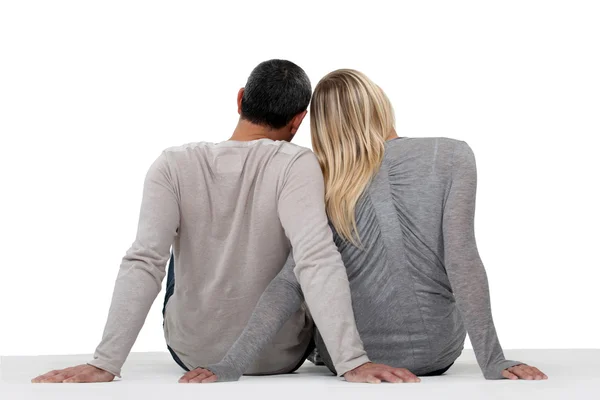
x: 232, y: 211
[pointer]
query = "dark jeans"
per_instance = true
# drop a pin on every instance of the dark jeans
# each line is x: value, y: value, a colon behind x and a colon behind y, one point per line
x: 168, y: 294
x: 438, y: 372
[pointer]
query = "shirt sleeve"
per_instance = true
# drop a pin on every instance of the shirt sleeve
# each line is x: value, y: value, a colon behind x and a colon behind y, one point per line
x: 280, y: 300
x: 142, y: 269
x: 464, y: 266
x: 319, y: 267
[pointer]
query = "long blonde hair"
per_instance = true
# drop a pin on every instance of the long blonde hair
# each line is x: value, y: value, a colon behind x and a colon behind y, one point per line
x: 350, y: 120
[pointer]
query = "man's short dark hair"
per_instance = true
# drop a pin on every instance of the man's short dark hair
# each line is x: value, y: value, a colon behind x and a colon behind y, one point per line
x: 276, y: 91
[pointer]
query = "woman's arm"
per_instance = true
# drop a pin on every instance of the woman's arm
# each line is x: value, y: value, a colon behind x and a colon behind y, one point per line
x: 280, y: 300
x: 464, y: 267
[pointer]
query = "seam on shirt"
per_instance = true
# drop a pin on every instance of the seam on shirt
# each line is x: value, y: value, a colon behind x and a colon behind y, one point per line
x: 435, y: 153
x: 385, y: 246
x: 385, y: 249
x: 451, y: 180
x: 430, y: 355
x: 412, y: 283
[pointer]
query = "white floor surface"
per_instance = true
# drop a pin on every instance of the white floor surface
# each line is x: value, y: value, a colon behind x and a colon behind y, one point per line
x: 573, y: 375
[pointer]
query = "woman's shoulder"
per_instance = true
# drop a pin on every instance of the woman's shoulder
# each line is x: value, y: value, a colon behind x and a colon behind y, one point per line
x: 429, y: 153
x: 424, y: 144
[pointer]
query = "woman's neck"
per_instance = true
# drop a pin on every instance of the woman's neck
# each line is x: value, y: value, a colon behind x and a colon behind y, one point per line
x: 392, y: 135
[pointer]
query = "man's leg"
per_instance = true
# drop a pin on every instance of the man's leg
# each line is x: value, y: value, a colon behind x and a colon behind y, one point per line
x: 438, y: 372
x: 309, y: 350
x: 169, y: 292
x: 170, y: 283
x: 315, y: 357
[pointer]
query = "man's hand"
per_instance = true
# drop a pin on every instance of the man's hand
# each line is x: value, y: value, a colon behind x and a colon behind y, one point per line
x: 198, y: 375
x: 79, y: 374
x: 524, y: 371
x: 377, y: 373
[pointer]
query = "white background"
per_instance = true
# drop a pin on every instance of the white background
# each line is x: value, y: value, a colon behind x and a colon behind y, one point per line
x: 91, y: 92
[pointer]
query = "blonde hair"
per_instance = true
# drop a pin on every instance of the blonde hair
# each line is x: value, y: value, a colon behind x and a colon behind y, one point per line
x: 351, y: 118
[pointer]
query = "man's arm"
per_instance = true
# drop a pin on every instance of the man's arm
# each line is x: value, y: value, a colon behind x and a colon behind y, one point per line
x: 138, y: 281
x: 142, y: 269
x: 319, y: 267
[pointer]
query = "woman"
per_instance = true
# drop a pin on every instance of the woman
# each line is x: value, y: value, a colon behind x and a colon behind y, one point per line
x: 402, y: 215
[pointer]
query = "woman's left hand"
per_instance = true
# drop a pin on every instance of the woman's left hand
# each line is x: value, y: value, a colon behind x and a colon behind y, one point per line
x: 198, y: 375
x: 524, y: 371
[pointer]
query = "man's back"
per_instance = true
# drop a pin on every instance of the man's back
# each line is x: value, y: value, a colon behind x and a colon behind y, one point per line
x: 230, y: 245
x: 223, y: 207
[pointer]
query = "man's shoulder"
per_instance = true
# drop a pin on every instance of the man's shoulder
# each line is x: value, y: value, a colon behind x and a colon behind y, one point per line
x: 281, y: 145
x: 282, y: 153
x: 182, y: 148
x: 290, y: 149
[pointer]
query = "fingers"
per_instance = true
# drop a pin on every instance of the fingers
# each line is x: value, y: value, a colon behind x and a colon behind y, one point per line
x: 199, y: 378
x: 361, y: 377
x: 526, y: 372
x: 90, y: 375
x: 387, y: 376
x: 406, y: 375
x: 81, y: 378
x: 539, y: 373
x: 198, y: 375
x: 509, y: 375
x: 56, y: 376
x: 377, y: 373
x: 520, y: 372
x: 210, y: 379
x: 40, y: 378
x: 190, y: 375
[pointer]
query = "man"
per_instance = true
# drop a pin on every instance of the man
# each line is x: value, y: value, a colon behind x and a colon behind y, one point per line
x: 231, y: 212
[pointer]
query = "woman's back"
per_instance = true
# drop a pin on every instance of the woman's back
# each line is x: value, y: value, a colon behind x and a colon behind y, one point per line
x: 403, y: 303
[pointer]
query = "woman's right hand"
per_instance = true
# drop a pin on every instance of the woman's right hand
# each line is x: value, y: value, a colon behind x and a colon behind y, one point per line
x: 377, y: 373
x: 524, y: 371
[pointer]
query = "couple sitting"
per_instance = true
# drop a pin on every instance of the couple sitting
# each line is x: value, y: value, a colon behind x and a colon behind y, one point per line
x: 382, y: 280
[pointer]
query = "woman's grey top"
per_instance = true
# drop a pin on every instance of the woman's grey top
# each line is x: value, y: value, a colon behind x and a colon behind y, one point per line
x: 418, y: 283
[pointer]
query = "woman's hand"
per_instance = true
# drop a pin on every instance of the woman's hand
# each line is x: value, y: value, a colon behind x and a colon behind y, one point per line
x: 377, y: 373
x: 80, y: 374
x: 198, y: 375
x: 524, y: 371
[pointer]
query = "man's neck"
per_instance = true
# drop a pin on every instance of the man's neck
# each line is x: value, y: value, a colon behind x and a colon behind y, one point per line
x: 246, y: 131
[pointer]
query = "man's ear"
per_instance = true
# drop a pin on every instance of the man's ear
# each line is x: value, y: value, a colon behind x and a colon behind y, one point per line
x: 296, y: 121
x: 239, y: 100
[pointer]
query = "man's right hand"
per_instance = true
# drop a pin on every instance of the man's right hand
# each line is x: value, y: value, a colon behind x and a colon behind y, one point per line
x: 377, y: 373
x: 80, y: 374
